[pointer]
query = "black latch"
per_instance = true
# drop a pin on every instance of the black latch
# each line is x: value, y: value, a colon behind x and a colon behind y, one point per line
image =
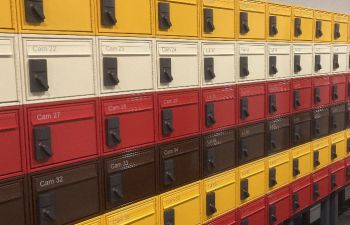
x: 208, y: 20
x: 297, y: 64
x: 211, y: 165
x: 38, y: 75
x: 164, y: 16
x: 115, y: 188
x: 295, y: 199
x: 297, y: 27
x: 335, y: 92
x: 348, y: 173
x: 244, y: 26
x: 333, y: 120
x: 335, y: 62
x: 316, y: 190
x: 209, y: 73
x: 211, y: 208
x: 110, y: 71
x: 34, y: 10
x: 273, y: 65
x: 112, y: 132
x: 272, y: 214
x: 272, y: 103
x: 317, y: 130
x: 244, y: 151
x: 243, y: 66
x: 46, y: 208
x: 334, y: 154
x: 319, y: 32
x: 297, y: 135
x: 165, y: 70
x: 318, y: 65
x: 296, y: 97
x: 244, y: 108
x: 244, y: 189
x: 245, y: 222
x: 273, y: 25
x: 296, y: 170
x: 272, y: 177
x: 108, y: 12
x: 333, y: 181
x: 209, y: 114
x: 317, y: 95
x: 42, y: 142
x: 167, y: 122
x: 169, y: 172
x: 337, y: 33
x: 273, y: 144
x: 169, y: 217
x: 316, y: 158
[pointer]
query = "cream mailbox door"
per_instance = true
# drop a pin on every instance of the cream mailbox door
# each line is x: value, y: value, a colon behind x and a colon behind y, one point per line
x: 279, y: 61
x: 322, y: 61
x: 218, y: 63
x: 339, y: 58
x: 177, y: 65
x: 58, y: 69
x: 125, y: 66
x: 302, y: 60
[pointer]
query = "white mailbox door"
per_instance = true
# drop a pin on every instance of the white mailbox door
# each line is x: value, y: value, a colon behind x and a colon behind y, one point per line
x: 339, y: 56
x: 251, y: 62
x: 177, y: 65
x: 125, y: 66
x: 279, y: 61
x: 324, y: 52
x: 59, y: 68
x: 218, y: 63
x: 9, y: 71
x: 302, y: 54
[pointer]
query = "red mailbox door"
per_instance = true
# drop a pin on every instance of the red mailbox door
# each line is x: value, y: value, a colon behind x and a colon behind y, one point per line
x: 253, y: 213
x: 278, y: 206
x: 278, y: 98
x: 301, y: 197
x: 61, y: 134
x: 178, y: 114
x: 320, y: 184
x: 218, y: 108
x: 301, y: 94
x: 338, y: 89
x: 128, y: 122
x: 337, y: 175
x: 321, y: 91
x: 227, y: 219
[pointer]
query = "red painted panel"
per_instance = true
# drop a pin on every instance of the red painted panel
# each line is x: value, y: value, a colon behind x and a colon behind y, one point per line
x: 11, y: 139
x: 301, y: 190
x: 337, y: 175
x: 221, y: 103
x: 338, y: 88
x: 185, y: 114
x: 321, y: 85
x: 68, y: 131
x: 347, y: 169
x: 278, y: 206
x: 253, y: 96
x: 254, y: 212
x: 135, y: 115
x: 302, y: 87
x: 280, y: 93
x: 320, y: 184
x: 227, y: 219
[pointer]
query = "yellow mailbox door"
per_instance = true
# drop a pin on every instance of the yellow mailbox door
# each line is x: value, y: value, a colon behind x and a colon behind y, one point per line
x: 338, y: 146
x: 320, y: 153
x: 300, y: 161
x: 94, y: 221
x: 340, y: 27
x: 302, y: 24
x: 279, y: 22
x: 7, y: 16
x: 277, y: 172
x: 322, y: 26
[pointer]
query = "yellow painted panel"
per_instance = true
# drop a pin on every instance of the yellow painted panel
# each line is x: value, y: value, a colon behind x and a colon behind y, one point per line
x: 322, y: 147
x: 283, y: 15
x: 183, y: 18
x: 224, y: 23
x: 223, y: 187
x: 326, y: 20
x: 255, y: 174
x: 339, y: 141
x: 7, y: 15
x: 133, y: 17
x: 61, y: 16
x: 185, y: 202
x: 302, y: 154
x: 141, y: 213
x: 343, y: 22
x: 307, y: 21
x: 94, y: 221
x: 281, y: 163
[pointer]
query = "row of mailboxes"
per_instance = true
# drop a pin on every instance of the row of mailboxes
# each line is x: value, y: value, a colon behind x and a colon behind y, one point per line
x: 243, y: 19
x: 122, y: 63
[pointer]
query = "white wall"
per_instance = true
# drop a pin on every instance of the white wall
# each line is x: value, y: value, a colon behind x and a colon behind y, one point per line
x: 341, y: 6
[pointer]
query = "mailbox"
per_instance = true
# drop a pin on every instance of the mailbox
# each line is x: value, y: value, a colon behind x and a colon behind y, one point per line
x: 219, y: 195
x: 301, y: 128
x: 228, y: 218
x: 338, y: 89
x: 322, y: 60
x: 301, y: 94
x: 339, y: 58
x: 321, y: 91
x: 337, y: 118
x: 279, y: 61
x: 279, y: 22
x: 338, y: 145
x: 251, y: 102
x: 278, y: 167
x: 320, y: 185
x: 340, y: 27
x: 322, y: 26
x: 253, y: 213
x: 300, y: 193
x: 129, y: 177
x: 128, y: 122
x: 218, y: 108
x: 218, y: 19
x: 337, y: 175
x: 320, y: 152
x: 219, y: 151
x: 278, y: 206
x: 123, y: 64
x: 300, y: 161
x: 8, y: 18
x: 251, y: 143
x: 94, y: 221
x: 61, y: 133
x: 302, y: 60
x: 178, y: 163
x: 178, y: 114
x: 320, y: 123
x: 278, y: 135
x: 278, y: 98
x: 66, y: 195
x: 218, y: 65
x: 14, y: 202
x: 302, y: 22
